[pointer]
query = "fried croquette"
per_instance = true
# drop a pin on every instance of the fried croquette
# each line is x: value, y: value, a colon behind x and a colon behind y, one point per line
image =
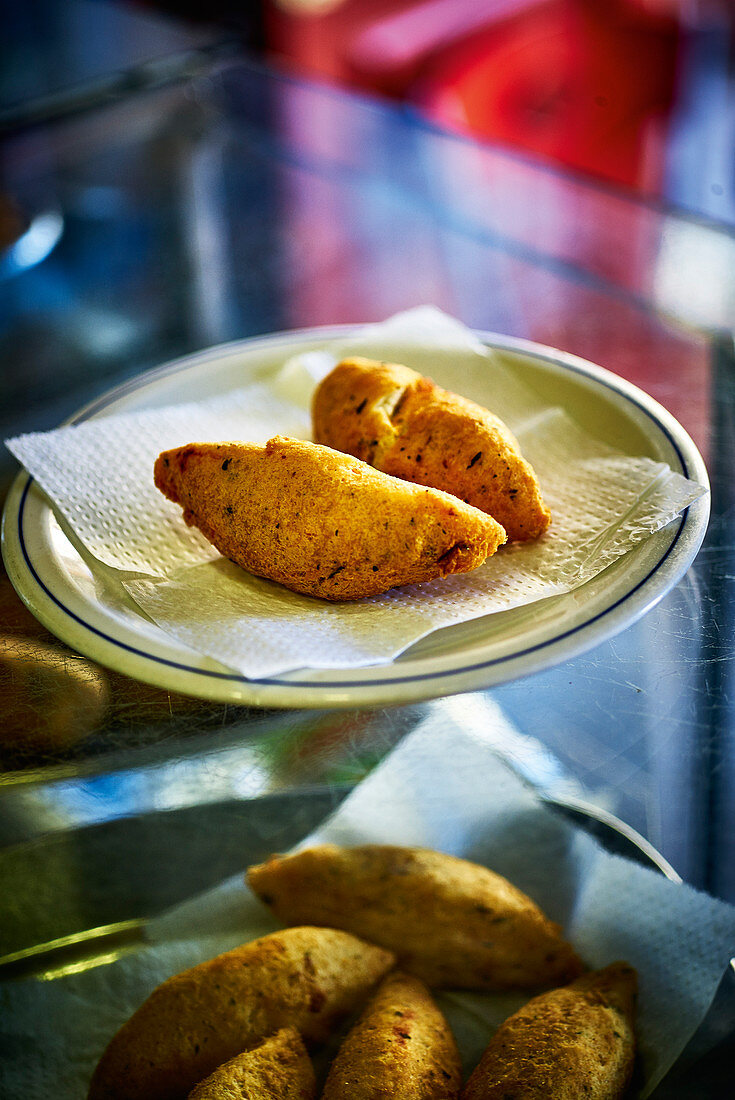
x: 452, y: 923
x: 565, y: 1044
x: 400, y: 1046
x: 320, y: 522
x: 278, y: 1069
x: 404, y: 424
x: 306, y: 978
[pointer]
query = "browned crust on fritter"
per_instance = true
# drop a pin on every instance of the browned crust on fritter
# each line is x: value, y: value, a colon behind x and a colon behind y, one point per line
x: 570, y: 1043
x: 320, y: 522
x: 405, y: 425
x: 278, y: 1069
x: 400, y: 1047
x: 306, y: 978
x: 453, y: 923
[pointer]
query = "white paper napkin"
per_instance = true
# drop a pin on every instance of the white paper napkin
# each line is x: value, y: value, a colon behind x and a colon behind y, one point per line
x: 98, y: 475
x: 444, y: 787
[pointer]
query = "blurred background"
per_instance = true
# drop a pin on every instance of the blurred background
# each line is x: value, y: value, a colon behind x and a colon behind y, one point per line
x: 638, y: 93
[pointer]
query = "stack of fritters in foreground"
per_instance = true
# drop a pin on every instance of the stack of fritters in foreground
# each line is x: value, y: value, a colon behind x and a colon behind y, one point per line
x: 240, y: 1026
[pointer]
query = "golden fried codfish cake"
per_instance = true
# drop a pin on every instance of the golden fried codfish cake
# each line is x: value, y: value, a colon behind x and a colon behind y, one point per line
x: 278, y: 1069
x: 569, y: 1043
x: 321, y: 522
x: 406, y: 425
x: 453, y: 923
x: 306, y: 978
x: 400, y: 1047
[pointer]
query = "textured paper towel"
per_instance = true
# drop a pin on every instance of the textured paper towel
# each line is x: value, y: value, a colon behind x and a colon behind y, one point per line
x: 98, y: 475
x: 678, y: 940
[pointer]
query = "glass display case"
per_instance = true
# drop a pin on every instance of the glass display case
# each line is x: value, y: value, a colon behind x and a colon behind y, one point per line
x: 238, y: 203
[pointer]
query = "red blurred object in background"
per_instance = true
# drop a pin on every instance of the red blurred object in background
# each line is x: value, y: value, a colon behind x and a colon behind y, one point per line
x: 579, y: 84
x: 585, y: 83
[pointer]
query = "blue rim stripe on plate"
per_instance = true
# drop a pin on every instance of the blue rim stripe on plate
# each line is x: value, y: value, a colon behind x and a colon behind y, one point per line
x: 188, y: 361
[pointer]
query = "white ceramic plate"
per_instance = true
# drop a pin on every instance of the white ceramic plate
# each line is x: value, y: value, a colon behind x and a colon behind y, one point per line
x: 59, y: 585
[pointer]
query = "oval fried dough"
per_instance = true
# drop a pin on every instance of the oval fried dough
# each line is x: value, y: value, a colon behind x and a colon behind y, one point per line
x: 400, y: 1047
x: 278, y: 1069
x: 569, y: 1043
x: 320, y: 522
x: 453, y: 923
x: 306, y: 978
x: 404, y: 424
